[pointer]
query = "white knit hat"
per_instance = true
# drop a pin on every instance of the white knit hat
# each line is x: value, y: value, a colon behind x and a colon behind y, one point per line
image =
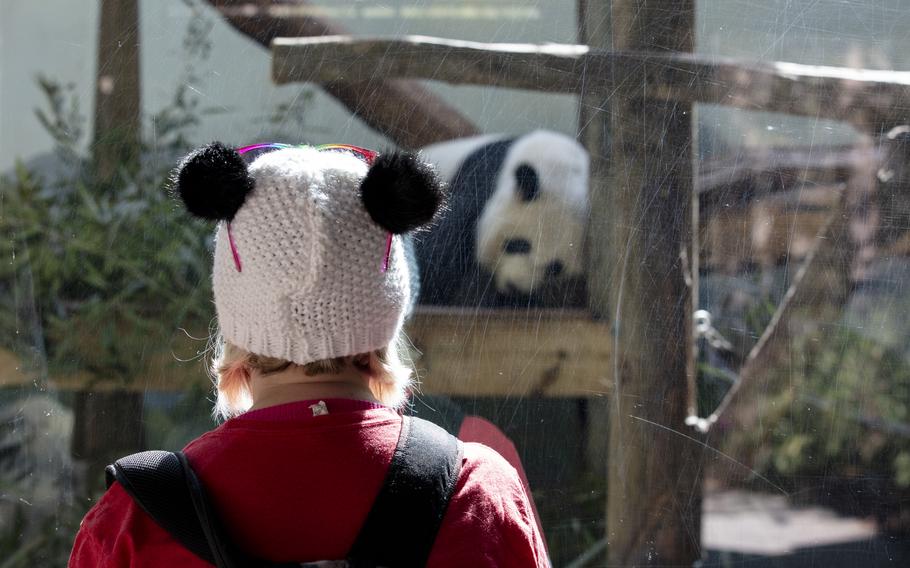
x: 306, y: 267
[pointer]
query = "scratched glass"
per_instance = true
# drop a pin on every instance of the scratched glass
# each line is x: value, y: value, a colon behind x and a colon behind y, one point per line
x: 669, y: 287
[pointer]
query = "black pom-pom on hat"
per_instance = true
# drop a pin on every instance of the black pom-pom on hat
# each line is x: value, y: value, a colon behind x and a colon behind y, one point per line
x: 213, y: 182
x: 401, y: 193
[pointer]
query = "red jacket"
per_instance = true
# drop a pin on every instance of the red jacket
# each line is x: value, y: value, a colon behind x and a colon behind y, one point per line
x: 296, y: 487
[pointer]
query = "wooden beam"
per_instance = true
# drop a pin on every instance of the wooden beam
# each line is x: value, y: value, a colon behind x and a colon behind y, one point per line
x: 164, y: 373
x: 488, y: 353
x: 548, y: 68
x: 815, y: 164
x: 11, y: 373
x: 371, y: 97
x: 511, y: 353
x: 866, y: 98
x: 769, y: 231
x: 654, y: 487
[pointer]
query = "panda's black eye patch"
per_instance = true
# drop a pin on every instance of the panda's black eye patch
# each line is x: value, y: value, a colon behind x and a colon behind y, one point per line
x: 554, y: 269
x: 527, y: 181
x: 516, y: 246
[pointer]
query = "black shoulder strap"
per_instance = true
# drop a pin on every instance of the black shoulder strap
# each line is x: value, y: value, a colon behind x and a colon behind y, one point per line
x: 406, y: 515
x: 411, y: 504
x: 156, y: 480
x: 165, y: 486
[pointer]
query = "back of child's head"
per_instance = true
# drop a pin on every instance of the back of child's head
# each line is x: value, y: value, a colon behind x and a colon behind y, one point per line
x: 309, y: 266
x: 232, y: 366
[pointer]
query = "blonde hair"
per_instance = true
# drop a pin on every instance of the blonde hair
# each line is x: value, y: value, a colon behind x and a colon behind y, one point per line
x: 232, y: 365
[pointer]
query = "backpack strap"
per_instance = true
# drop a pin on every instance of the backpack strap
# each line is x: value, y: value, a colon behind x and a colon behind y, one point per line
x: 401, y: 527
x: 165, y: 486
x: 412, y: 501
x: 157, y: 482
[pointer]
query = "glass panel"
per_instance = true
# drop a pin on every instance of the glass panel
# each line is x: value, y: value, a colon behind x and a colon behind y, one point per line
x: 668, y: 291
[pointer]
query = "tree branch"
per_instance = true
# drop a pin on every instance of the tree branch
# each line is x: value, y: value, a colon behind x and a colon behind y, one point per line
x: 405, y: 111
x: 775, y: 329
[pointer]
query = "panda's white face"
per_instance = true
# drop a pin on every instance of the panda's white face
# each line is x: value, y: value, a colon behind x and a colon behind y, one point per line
x: 532, y: 245
x: 530, y: 232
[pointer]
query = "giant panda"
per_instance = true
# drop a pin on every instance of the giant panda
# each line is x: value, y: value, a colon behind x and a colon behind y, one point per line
x: 512, y: 235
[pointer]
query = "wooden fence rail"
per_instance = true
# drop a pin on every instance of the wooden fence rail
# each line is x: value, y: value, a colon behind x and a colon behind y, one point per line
x: 871, y: 100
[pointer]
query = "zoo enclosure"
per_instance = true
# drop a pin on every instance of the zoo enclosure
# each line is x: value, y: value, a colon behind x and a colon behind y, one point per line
x: 875, y: 102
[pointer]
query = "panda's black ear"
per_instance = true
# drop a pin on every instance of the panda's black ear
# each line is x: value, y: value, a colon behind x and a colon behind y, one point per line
x: 213, y: 182
x: 527, y: 181
x: 401, y: 192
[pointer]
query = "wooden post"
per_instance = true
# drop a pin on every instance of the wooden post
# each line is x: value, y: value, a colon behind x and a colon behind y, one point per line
x: 117, y: 97
x: 593, y: 133
x: 654, y: 501
x: 107, y: 425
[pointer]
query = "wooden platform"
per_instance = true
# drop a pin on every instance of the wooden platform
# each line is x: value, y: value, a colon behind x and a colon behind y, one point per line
x: 511, y: 353
x: 456, y: 353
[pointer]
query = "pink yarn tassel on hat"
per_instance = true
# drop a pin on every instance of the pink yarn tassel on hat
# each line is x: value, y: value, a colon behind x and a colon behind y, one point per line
x: 234, y: 248
x: 388, y: 253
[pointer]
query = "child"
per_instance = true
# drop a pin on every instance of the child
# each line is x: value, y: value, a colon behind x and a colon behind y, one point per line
x: 311, y: 286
